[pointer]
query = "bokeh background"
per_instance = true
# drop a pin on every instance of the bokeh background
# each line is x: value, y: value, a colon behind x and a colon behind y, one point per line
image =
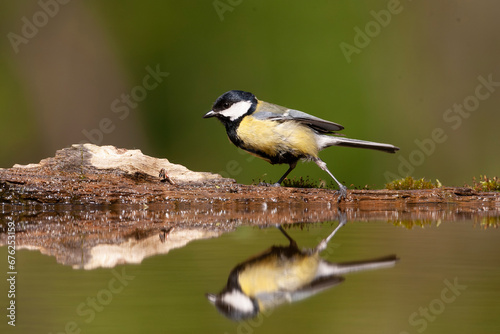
x: 64, y: 66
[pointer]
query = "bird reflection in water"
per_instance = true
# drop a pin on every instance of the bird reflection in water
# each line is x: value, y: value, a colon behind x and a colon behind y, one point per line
x: 284, y: 274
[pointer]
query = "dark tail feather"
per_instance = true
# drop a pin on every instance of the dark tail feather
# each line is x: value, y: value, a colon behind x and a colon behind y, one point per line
x: 327, y: 141
x: 349, y: 267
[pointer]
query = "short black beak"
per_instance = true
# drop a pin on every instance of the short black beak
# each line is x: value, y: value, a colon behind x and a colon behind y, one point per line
x: 209, y: 114
x: 211, y: 298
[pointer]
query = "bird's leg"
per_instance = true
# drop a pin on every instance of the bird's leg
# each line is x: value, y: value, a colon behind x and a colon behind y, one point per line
x: 292, y: 242
x: 342, y: 189
x: 324, y: 243
x: 292, y: 166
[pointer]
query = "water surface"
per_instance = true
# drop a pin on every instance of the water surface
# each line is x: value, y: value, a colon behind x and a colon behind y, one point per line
x: 445, y: 282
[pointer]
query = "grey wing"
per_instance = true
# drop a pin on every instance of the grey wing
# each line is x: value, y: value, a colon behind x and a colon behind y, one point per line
x: 272, y: 111
x: 316, y: 286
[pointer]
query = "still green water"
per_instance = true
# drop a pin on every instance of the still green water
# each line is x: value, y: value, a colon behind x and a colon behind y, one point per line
x: 447, y: 281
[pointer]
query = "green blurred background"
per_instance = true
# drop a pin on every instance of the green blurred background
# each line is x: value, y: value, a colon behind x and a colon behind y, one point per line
x: 411, y: 66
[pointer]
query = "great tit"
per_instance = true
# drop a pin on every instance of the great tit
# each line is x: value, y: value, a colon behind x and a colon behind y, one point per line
x: 281, y: 135
x: 284, y: 274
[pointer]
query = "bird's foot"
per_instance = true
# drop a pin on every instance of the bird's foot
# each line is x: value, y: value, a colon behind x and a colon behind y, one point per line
x: 342, y: 192
x: 265, y: 184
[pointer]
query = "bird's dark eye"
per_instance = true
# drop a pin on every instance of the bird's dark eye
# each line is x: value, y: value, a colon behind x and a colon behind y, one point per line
x: 226, y: 105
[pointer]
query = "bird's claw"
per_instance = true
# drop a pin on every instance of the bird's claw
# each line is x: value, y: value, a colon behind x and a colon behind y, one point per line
x: 265, y: 184
x: 342, y: 192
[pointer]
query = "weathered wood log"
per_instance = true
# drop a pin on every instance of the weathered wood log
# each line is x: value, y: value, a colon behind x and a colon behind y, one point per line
x: 90, y: 174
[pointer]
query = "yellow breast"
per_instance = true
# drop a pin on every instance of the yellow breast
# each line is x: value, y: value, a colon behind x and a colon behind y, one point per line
x: 275, y: 138
x: 277, y: 275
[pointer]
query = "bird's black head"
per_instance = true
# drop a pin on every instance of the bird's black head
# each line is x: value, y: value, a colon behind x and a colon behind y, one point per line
x: 233, y: 105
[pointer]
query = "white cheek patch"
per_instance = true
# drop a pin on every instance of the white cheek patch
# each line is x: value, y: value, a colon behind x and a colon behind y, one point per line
x: 236, y: 110
x: 239, y: 301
